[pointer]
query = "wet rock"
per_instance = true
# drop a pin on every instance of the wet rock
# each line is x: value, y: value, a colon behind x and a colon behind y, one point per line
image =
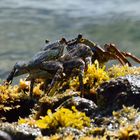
x: 121, y: 91
x: 21, y: 108
x: 54, y: 102
x: 81, y: 104
x: 4, y: 136
x: 20, y: 132
x: 70, y: 131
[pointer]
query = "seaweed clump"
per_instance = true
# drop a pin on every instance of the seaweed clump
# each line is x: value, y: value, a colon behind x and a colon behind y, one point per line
x: 14, y: 101
x: 63, y: 117
x: 116, y: 71
x: 123, y: 124
x: 93, y: 77
x: 96, y: 75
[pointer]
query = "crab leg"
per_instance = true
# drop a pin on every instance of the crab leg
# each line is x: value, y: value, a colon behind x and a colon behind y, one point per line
x: 54, y: 82
x: 31, y: 87
x: 56, y: 69
x: 11, y: 75
x: 45, y: 85
x: 111, y: 48
x: 110, y: 56
x: 126, y: 54
x: 87, y: 62
x: 81, y: 74
x: 18, y: 69
x: 79, y: 65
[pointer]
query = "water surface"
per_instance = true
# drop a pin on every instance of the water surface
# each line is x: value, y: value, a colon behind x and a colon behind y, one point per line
x: 25, y: 24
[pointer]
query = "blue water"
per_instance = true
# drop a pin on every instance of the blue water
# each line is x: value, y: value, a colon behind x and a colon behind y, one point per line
x: 25, y: 24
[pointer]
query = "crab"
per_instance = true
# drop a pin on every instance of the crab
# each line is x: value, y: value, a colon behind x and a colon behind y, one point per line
x: 80, y: 53
x: 44, y: 64
x: 71, y: 64
x: 110, y: 51
x: 49, y: 52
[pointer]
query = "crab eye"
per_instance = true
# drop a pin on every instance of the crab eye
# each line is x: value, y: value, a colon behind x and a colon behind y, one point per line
x: 82, y: 40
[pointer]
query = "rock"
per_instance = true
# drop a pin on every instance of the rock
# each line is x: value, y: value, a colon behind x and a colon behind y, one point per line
x: 53, y: 102
x: 21, y: 108
x: 19, y: 132
x: 121, y: 91
x: 4, y: 136
x: 70, y: 131
x: 81, y: 104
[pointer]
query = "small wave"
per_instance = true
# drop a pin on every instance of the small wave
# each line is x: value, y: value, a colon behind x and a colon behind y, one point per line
x: 79, y: 8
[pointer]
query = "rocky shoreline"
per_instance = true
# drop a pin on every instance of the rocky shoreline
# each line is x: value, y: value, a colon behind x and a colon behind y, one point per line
x: 109, y: 108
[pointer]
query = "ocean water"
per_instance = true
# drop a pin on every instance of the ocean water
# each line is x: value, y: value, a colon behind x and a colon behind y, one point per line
x: 25, y: 24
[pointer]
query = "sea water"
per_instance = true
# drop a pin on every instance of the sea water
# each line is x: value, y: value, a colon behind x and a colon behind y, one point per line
x: 26, y: 24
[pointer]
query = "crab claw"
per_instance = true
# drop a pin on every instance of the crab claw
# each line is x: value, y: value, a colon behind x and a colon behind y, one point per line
x: 10, y: 76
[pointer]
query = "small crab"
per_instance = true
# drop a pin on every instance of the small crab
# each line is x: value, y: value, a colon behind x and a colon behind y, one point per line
x: 72, y: 64
x: 44, y: 65
x: 110, y: 51
x: 51, y: 63
x: 49, y: 52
